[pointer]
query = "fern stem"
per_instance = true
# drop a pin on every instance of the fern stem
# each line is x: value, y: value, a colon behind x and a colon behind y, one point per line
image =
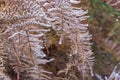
x: 30, y: 48
x: 15, y: 53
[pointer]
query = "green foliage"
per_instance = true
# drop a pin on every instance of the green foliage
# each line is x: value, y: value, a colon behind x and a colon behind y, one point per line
x: 115, y: 32
x: 100, y: 6
x: 100, y: 11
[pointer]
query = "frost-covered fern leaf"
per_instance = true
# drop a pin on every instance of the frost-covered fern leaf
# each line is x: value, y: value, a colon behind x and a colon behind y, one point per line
x: 25, y: 22
x: 3, y: 76
x: 68, y: 22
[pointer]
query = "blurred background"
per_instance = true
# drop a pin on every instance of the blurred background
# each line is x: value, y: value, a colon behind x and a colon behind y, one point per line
x: 104, y: 25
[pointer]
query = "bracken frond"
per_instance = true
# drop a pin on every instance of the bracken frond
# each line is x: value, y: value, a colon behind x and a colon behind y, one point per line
x: 25, y: 22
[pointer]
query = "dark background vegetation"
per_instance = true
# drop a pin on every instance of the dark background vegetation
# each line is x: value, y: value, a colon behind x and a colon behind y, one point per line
x: 104, y: 25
